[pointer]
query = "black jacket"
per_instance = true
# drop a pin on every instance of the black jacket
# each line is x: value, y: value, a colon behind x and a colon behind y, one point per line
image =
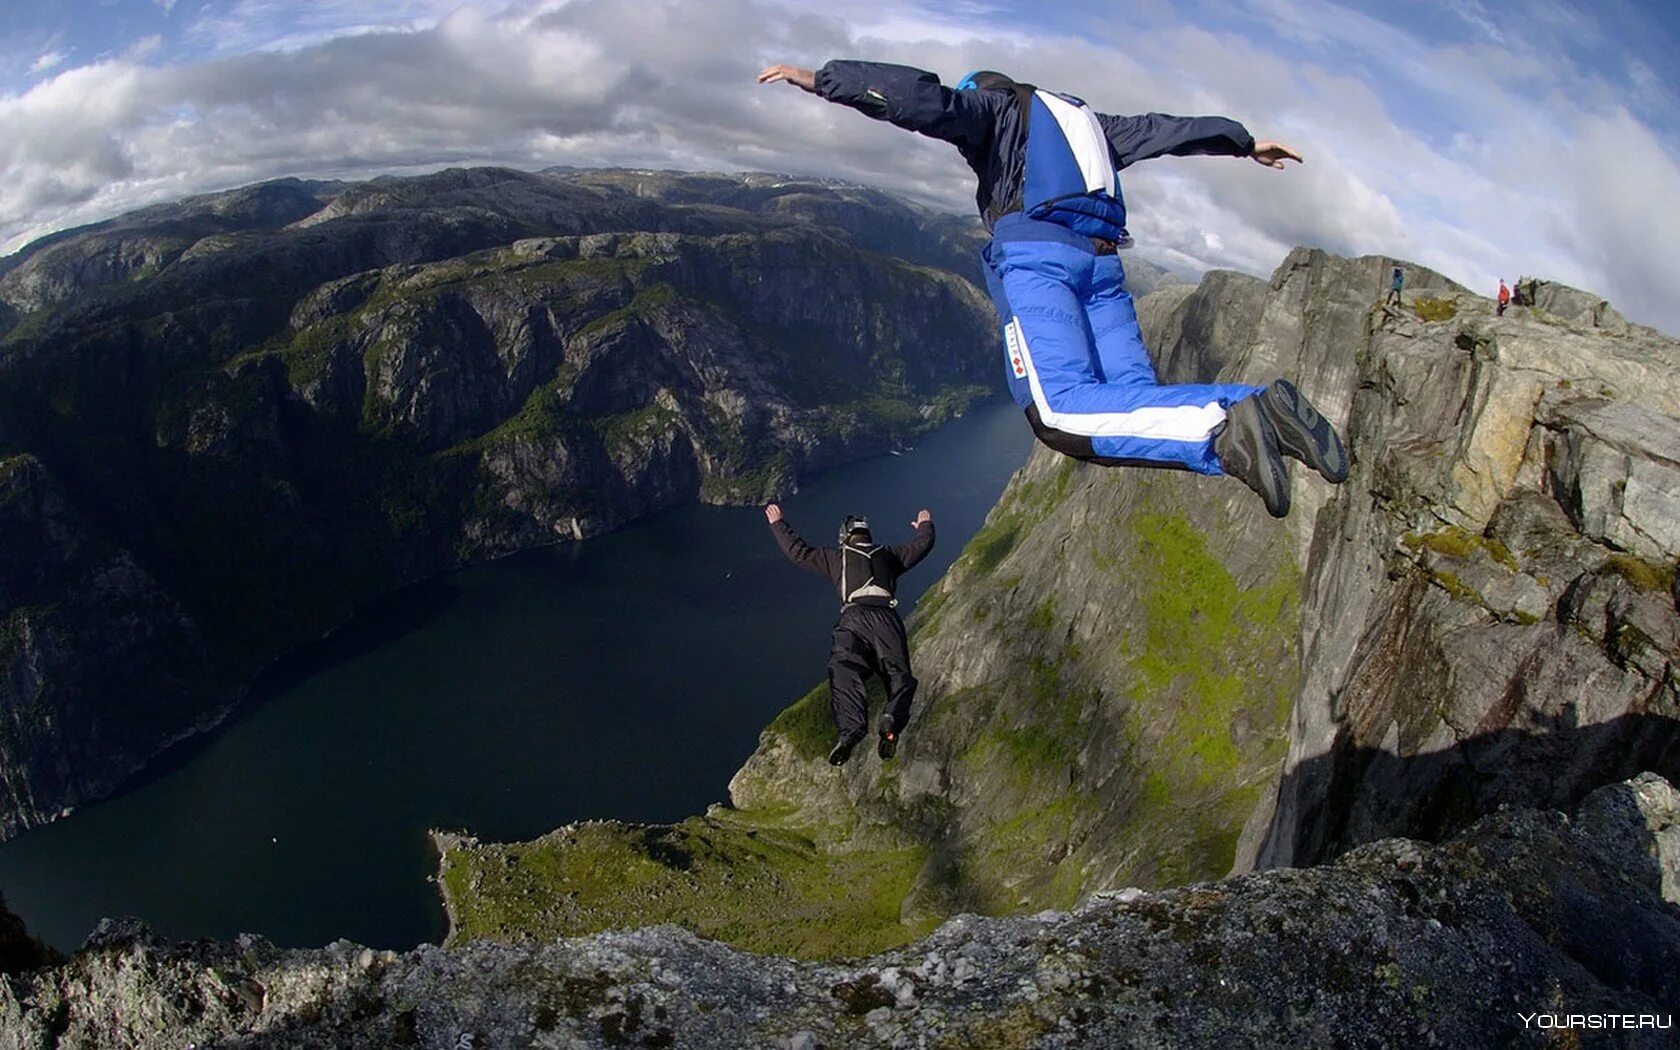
x: 986, y: 126
x: 826, y: 561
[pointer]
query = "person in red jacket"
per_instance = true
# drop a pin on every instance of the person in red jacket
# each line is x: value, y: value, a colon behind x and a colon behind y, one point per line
x: 1504, y: 297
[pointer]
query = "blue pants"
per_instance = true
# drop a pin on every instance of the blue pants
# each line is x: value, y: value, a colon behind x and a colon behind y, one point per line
x: 1073, y: 351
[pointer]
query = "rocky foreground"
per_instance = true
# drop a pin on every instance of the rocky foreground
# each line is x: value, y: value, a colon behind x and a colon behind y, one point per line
x: 1398, y: 943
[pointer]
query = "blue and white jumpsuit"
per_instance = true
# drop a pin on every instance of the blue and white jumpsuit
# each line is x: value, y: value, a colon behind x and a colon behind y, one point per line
x: 1049, y: 190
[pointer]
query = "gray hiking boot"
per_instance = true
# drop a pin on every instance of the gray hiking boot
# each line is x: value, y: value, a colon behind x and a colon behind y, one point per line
x: 1302, y: 432
x: 1247, y: 447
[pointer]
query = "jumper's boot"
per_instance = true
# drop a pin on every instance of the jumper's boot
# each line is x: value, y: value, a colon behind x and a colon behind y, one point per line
x: 843, y: 749
x: 887, y: 746
x: 1247, y: 447
x: 1302, y: 432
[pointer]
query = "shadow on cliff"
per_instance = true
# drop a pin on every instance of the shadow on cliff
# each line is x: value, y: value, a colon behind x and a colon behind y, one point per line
x: 1355, y: 793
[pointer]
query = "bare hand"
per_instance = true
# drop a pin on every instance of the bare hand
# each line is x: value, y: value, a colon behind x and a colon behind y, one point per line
x: 1273, y: 154
x: 921, y: 516
x: 772, y: 513
x: 799, y: 78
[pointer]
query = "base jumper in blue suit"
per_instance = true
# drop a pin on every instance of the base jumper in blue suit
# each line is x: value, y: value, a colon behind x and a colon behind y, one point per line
x: 1049, y: 190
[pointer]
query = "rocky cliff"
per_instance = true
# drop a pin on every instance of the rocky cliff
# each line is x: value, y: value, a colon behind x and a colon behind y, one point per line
x: 1137, y: 678
x: 1489, y: 618
x: 1490, y: 940
x: 226, y: 422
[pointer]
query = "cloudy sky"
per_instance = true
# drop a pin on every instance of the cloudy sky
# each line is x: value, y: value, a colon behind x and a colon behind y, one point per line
x: 1483, y: 140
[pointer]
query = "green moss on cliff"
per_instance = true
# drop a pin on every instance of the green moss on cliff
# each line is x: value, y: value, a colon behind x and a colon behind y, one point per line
x: 992, y: 544
x: 307, y: 355
x: 541, y: 417
x: 1460, y: 543
x: 1023, y: 860
x: 644, y: 303
x: 924, y: 618
x: 767, y: 889
x: 751, y: 485
x: 1022, y: 507
x: 1643, y: 575
x: 1432, y: 309
x: 806, y: 724
x: 630, y: 427
x: 1213, y: 668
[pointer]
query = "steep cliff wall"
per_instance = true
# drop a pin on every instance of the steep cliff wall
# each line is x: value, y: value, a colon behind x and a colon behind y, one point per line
x: 1489, y: 615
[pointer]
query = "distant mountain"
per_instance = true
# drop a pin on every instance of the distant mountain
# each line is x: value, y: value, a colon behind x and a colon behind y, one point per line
x: 227, y: 421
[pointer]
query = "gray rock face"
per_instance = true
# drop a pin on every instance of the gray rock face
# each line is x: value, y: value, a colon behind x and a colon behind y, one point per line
x: 1615, y: 467
x: 1559, y: 303
x: 274, y: 404
x: 1397, y: 943
x: 1487, y: 617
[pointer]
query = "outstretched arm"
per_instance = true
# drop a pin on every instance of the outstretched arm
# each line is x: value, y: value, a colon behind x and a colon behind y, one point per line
x: 794, y: 546
x: 910, y: 98
x: 908, y: 554
x: 1158, y: 134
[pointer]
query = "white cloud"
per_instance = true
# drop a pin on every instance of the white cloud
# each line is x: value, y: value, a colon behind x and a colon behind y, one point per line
x: 289, y: 25
x: 48, y: 60
x: 144, y: 48
x: 1499, y: 159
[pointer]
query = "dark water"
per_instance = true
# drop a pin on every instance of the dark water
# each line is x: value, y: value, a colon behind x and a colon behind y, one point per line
x: 625, y: 677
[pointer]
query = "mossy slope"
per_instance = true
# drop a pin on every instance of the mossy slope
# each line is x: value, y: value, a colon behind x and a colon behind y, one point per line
x: 723, y: 876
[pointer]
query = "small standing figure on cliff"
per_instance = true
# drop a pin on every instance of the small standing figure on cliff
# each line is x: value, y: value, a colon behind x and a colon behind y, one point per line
x: 1049, y: 192
x: 869, y: 636
x: 1396, y: 281
x: 1504, y: 298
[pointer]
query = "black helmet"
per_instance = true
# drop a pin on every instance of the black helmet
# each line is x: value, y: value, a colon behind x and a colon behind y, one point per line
x: 852, y: 526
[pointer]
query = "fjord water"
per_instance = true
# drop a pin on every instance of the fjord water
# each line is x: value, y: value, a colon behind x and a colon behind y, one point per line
x: 624, y: 677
